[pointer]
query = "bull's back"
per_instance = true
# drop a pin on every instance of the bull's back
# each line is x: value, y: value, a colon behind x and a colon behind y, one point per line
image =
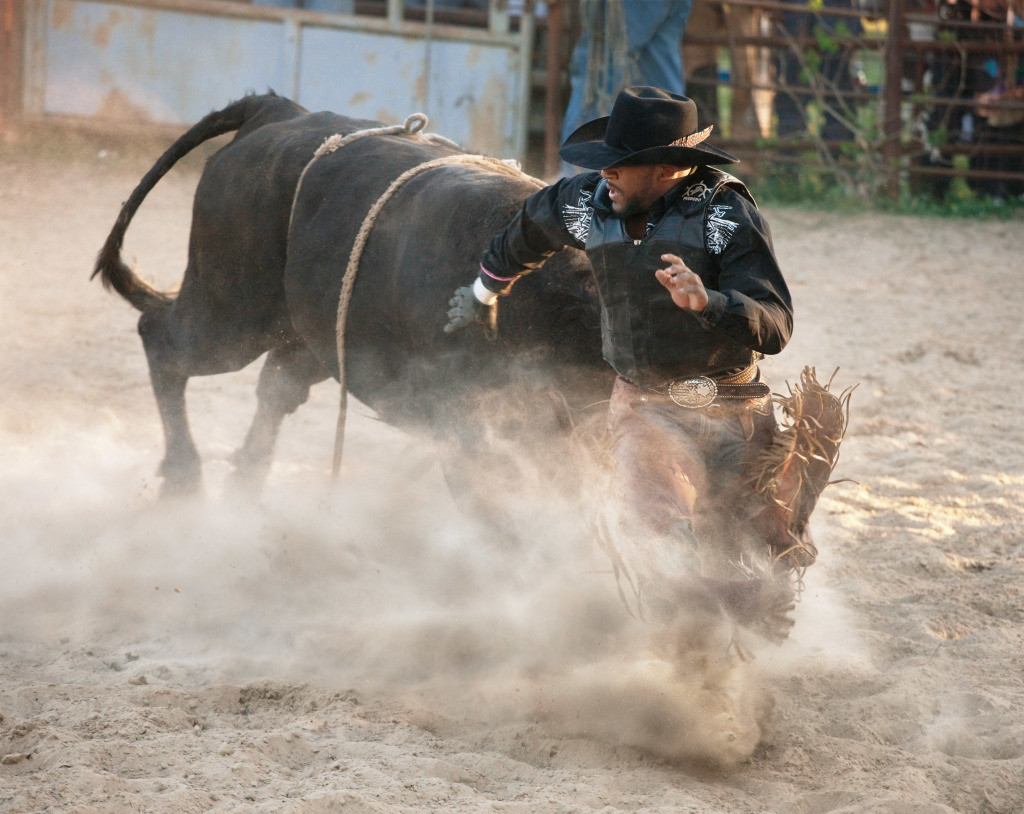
x: 425, y: 241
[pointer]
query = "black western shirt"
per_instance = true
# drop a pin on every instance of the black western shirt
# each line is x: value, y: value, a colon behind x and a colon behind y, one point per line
x: 711, y: 222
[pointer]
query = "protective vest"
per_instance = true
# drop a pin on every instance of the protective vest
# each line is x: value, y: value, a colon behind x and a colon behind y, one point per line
x: 646, y: 337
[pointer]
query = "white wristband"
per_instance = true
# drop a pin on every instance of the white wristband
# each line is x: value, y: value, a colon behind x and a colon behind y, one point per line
x: 482, y: 293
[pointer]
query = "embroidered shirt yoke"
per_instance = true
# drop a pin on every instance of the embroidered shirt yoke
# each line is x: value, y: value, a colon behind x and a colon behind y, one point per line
x: 711, y: 222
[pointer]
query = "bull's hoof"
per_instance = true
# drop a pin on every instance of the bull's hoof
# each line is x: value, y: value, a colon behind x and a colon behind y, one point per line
x: 251, y: 468
x: 247, y: 481
x: 181, y: 479
x: 175, y: 490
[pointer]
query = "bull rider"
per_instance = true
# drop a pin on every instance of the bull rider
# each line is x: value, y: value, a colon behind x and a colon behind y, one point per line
x: 710, y: 504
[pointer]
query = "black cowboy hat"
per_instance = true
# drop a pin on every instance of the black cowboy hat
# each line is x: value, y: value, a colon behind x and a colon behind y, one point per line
x: 647, y: 126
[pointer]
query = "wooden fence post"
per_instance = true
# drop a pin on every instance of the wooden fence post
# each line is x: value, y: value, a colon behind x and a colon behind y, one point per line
x: 10, y: 61
x: 894, y: 54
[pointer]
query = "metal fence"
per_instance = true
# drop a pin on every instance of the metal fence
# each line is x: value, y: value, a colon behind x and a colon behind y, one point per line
x: 899, y: 94
x: 917, y: 92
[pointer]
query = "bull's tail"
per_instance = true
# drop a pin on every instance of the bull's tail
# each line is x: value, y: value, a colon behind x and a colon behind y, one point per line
x: 111, y: 268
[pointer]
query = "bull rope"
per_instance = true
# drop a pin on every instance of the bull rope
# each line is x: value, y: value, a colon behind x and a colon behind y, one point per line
x: 412, y: 126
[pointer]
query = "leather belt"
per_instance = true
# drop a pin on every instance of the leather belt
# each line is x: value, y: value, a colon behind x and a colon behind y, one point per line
x: 703, y: 391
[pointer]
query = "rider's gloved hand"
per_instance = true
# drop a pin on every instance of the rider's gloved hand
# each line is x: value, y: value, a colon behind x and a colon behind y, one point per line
x: 464, y: 309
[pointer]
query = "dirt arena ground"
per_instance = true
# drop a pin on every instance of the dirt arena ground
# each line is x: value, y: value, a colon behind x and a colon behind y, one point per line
x: 366, y: 651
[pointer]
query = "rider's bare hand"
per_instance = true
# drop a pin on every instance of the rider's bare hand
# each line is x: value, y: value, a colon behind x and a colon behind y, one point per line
x: 685, y: 286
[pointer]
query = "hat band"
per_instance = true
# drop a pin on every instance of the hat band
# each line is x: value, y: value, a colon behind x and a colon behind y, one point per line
x: 691, y: 140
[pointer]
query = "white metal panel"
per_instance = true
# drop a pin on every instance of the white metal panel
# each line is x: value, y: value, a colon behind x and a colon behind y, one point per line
x: 173, y: 61
x: 115, y: 61
x: 468, y: 89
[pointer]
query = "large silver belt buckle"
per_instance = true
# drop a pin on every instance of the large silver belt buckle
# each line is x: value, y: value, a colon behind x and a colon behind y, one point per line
x: 693, y: 393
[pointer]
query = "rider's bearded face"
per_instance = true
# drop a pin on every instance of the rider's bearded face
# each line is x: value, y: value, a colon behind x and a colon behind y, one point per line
x: 632, y: 190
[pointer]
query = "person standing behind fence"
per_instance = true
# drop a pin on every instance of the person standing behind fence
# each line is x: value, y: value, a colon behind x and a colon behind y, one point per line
x: 623, y: 42
x: 1000, y: 121
x: 829, y: 71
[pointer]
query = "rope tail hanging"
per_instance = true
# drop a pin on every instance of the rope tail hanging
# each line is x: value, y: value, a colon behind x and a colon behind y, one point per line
x: 412, y: 127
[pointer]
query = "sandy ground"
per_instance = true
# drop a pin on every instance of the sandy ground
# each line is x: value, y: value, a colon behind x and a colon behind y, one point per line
x: 367, y: 650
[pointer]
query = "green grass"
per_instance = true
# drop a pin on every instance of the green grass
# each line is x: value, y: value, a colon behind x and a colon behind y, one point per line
x: 805, y: 187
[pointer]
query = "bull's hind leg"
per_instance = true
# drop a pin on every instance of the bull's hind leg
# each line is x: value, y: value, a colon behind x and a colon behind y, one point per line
x: 181, y: 341
x: 180, y: 468
x: 287, y: 375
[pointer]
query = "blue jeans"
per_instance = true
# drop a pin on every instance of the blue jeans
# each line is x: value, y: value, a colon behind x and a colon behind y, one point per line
x: 653, y: 31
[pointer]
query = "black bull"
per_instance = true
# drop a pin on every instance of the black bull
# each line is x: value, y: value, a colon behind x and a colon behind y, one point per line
x: 265, y: 276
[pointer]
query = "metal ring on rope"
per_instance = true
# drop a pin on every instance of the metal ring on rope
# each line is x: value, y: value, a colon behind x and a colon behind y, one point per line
x: 411, y: 127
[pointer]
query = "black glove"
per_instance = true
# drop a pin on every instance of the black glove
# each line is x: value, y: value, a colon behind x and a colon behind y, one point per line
x: 464, y: 308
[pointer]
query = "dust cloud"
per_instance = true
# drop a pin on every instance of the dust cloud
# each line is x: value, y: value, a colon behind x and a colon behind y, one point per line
x: 377, y: 581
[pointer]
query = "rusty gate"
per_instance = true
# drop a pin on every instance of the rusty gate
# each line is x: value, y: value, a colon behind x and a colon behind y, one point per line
x: 169, y: 62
